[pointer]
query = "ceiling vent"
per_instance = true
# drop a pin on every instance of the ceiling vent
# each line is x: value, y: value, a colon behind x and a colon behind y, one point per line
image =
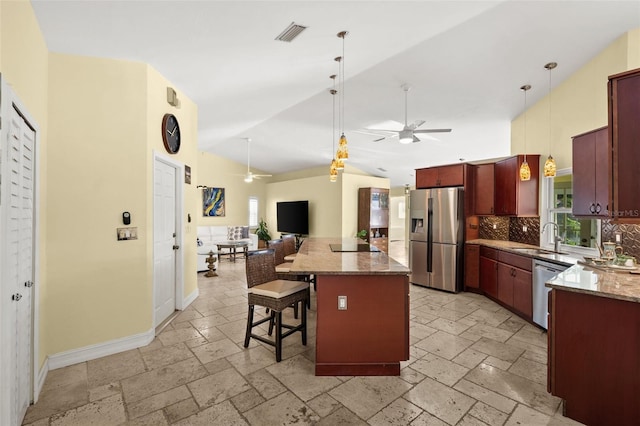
x: 291, y: 32
x: 382, y: 170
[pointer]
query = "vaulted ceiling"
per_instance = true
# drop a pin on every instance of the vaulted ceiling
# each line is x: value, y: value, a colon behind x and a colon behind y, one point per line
x: 464, y: 61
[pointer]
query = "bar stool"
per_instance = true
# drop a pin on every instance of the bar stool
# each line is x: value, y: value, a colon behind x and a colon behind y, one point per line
x: 264, y: 289
x: 289, y: 244
x: 283, y: 270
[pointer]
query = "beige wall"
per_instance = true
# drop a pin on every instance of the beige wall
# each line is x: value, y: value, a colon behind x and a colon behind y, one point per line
x: 578, y: 104
x: 324, y: 203
x: 218, y: 172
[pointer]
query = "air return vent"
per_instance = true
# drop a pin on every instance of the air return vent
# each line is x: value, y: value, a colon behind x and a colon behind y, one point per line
x: 291, y: 32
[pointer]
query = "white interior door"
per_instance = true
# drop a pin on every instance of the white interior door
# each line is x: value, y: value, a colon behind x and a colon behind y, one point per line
x: 164, y: 240
x: 17, y: 262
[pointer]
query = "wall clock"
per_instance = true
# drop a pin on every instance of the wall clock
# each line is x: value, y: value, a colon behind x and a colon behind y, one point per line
x: 171, y: 133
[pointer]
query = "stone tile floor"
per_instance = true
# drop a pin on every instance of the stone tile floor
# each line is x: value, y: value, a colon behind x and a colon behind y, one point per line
x: 472, y: 363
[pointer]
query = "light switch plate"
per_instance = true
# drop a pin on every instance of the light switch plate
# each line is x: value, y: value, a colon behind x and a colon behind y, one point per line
x: 342, y: 303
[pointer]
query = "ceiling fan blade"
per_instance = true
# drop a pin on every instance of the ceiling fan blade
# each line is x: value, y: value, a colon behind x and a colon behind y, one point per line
x: 432, y: 131
x: 380, y: 139
x: 385, y: 130
x: 416, y: 124
x: 415, y: 139
x: 370, y: 132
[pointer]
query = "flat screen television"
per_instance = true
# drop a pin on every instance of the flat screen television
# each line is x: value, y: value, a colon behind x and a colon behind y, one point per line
x: 293, y: 217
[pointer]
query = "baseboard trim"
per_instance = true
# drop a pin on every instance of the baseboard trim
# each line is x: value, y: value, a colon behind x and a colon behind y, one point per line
x: 190, y: 298
x: 87, y: 353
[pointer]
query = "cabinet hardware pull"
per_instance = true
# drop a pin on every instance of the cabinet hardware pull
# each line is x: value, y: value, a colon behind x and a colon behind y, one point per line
x: 592, y: 208
x: 598, y: 208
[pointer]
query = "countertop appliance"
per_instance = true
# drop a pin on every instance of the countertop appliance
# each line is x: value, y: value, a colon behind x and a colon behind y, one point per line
x: 543, y: 272
x: 436, y: 238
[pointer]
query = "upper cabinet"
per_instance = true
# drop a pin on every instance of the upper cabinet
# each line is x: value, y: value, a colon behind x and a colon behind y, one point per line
x: 484, y: 189
x: 435, y: 177
x: 514, y: 197
x: 591, y: 171
x: 624, y: 126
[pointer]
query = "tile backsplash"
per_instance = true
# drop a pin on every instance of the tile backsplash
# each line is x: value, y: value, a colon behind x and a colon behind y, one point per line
x: 630, y: 236
x: 510, y: 229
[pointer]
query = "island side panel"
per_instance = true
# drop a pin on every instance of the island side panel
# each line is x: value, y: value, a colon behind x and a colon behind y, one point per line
x: 371, y: 336
x: 595, y: 357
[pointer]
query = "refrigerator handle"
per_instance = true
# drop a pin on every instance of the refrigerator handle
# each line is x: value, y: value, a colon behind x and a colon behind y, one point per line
x: 429, y: 234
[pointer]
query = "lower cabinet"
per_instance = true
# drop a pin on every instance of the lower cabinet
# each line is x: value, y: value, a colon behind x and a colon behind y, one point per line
x: 593, y: 365
x: 489, y: 271
x: 515, y: 282
x: 507, y: 277
x: 472, y: 267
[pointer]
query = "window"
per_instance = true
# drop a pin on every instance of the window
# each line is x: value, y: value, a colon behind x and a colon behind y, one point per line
x: 578, y: 234
x: 253, y: 211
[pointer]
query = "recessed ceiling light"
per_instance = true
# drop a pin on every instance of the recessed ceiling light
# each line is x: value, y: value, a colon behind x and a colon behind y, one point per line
x: 291, y: 32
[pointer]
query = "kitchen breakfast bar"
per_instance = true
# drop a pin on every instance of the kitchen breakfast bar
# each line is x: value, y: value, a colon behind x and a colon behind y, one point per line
x: 362, y: 307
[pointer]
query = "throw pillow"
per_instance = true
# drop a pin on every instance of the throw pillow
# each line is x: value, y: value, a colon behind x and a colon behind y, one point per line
x: 234, y: 233
x: 245, y: 232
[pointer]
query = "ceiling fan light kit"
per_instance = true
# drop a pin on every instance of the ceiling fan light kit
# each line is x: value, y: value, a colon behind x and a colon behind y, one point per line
x: 408, y: 133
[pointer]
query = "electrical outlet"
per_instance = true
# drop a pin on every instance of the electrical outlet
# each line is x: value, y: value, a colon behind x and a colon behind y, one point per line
x: 524, y: 228
x: 342, y: 303
x: 618, y: 237
x: 495, y: 226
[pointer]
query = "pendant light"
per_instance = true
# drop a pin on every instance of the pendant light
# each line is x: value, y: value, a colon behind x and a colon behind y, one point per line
x: 343, y: 152
x: 333, y: 168
x: 525, y: 171
x: 339, y: 159
x: 550, y: 164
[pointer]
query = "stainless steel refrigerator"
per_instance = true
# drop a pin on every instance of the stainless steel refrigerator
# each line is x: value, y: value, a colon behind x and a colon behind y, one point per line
x: 436, y: 238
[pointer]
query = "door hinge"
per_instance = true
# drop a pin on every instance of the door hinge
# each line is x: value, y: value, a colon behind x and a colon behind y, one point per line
x: 28, y: 284
x: 16, y: 297
x: 176, y: 247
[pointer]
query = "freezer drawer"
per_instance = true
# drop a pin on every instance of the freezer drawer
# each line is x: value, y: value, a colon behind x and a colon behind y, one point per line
x: 418, y: 263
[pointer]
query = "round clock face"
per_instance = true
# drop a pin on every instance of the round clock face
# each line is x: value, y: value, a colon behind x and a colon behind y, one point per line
x: 171, y: 133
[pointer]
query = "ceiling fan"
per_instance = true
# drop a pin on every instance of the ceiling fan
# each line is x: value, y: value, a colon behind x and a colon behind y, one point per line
x: 408, y: 132
x: 249, y: 177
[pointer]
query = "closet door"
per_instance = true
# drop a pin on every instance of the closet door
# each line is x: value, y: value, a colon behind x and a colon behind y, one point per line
x: 18, y: 230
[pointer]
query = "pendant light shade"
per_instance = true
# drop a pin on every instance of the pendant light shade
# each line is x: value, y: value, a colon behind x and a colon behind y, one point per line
x: 343, y: 152
x: 525, y: 171
x: 333, y: 168
x: 550, y: 164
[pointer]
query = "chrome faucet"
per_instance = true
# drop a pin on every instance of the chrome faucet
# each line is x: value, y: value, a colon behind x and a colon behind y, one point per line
x: 556, y: 238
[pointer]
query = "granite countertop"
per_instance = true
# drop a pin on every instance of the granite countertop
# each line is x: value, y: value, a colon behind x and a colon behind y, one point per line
x: 579, y: 278
x: 315, y: 257
x: 535, y: 252
x: 621, y: 285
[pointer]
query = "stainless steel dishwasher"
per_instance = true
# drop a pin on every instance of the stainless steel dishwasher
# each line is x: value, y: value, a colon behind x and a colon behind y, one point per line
x: 542, y: 272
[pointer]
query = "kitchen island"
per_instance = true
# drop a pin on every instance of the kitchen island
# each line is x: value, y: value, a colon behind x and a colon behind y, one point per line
x: 594, y: 345
x: 362, y: 301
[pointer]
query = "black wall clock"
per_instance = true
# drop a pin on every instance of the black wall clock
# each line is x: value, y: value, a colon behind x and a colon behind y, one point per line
x: 171, y: 133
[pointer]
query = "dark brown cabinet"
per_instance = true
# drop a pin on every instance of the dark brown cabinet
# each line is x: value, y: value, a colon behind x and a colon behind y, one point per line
x: 515, y: 285
x: 591, y: 172
x: 624, y: 132
x: 472, y: 266
x: 484, y: 189
x: 514, y: 197
x: 442, y: 176
x: 593, y: 350
x: 373, y: 216
x: 489, y: 271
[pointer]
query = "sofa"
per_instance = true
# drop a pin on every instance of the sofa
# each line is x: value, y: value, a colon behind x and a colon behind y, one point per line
x: 209, y: 236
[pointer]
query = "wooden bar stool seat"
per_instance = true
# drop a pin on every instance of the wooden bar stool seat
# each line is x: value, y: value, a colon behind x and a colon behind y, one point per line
x: 265, y: 289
